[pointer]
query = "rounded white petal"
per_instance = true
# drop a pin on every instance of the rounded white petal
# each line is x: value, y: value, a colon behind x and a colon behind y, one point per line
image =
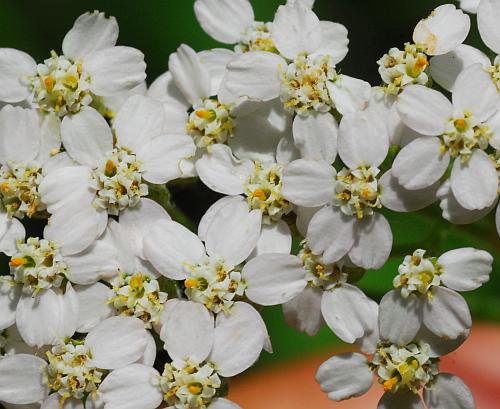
x: 22, y: 379
x: 255, y: 75
x: 91, y: 32
x: 212, y: 212
x: 221, y: 403
x: 443, y: 30
x: 363, y: 140
x: 304, y: 311
x: 395, y: 197
x: 224, y: 20
x: 399, y: 318
x: 222, y: 172
x: 188, y: 331
x: 465, y: 269
x: 19, y: 134
x: 87, y: 137
x: 424, y: 110
x: 420, y: 164
x: 296, y: 29
x: 164, y: 89
x: 134, y: 386
x: 401, y: 399
x: 369, y: 342
x: 215, y: 61
x: 93, y: 305
x: 450, y: 392
x: 315, y: 136
x: 345, y: 376
x: 347, y: 311
x: 470, y: 6
x: 373, y: 242
x: 170, y: 246
x: 308, y: 182
x: 334, y: 41
x: 189, y: 74
x: 234, y: 232
x: 475, y: 182
x: 10, y: 232
x: 304, y: 216
x: 445, y: 68
x: 239, y: 339
x: 287, y: 151
x: 9, y: 297
x: 440, y: 346
x: 274, y: 238
x: 273, y: 278
x: 349, y: 94
x: 149, y: 356
x: 14, y: 65
x: 332, y: 233
x: 115, y: 70
x: 447, y: 314
x: 488, y: 14
x: 475, y: 92
x: 117, y: 342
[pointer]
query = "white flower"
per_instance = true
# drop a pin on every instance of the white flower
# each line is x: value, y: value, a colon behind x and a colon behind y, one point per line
x: 424, y: 294
x: 112, y: 170
x: 202, y: 352
x: 74, y: 367
x: 403, y: 371
x: 90, y: 67
x: 461, y: 131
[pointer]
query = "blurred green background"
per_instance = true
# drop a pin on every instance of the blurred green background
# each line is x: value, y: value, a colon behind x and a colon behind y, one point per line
x: 157, y: 27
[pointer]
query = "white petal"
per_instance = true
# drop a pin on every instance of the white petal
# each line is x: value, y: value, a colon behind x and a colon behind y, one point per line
x: 304, y: 216
x: 449, y: 392
x: 170, y: 246
x: 274, y: 238
x: 224, y: 20
x: 254, y: 75
x: 93, y: 305
x: 90, y: 32
x: 369, y: 342
x: 221, y: 403
x: 115, y: 70
x: 14, y: 65
x: 420, y: 163
x: 334, y: 41
x: 286, y: 151
x: 117, y: 342
x: 308, y: 182
x: 296, y: 29
x: 234, y: 233
x: 273, y: 278
x: 47, y: 318
x: 332, y: 233
x: 149, y: 356
x: 475, y: 183
x: 138, y: 121
x: 137, y: 222
x: 399, y: 318
x: 212, y: 213
x: 11, y: 231
x: 315, y: 136
x: 445, y: 68
x: 22, y: 379
x: 443, y: 30
x: 440, y: 346
x: 346, y: 310
x: 345, y: 376
x: 447, y: 314
x: 19, y: 134
x: 53, y: 402
x: 494, y: 128
x: 87, y: 137
x: 304, y: 311
x: 475, y: 92
x: 189, y: 74
x: 9, y: 297
x: 373, y: 242
x: 465, y: 269
x: 164, y: 89
x: 239, y: 339
x: 188, y: 331
x: 50, y: 141
x: 349, y: 94
x: 395, y: 197
x: 470, y: 6
x: 363, y: 140
x: 255, y: 138
x: 134, y: 386
x: 222, y: 172
x: 401, y: 399
x: 488, y: 15
x: 162, y: 156
x: 424, y: 110
x: 215, y: 61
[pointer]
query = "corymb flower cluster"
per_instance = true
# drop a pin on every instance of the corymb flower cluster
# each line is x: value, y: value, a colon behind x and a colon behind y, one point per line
x: 120, y: 305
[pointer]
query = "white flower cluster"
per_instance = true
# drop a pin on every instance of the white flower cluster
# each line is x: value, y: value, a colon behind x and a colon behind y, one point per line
x: 119, y: 305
